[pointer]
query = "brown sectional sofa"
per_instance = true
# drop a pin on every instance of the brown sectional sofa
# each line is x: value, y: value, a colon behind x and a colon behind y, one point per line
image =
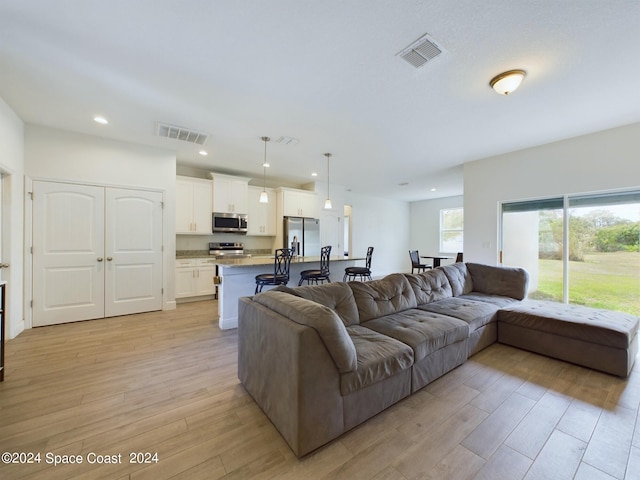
x: 321, y: 359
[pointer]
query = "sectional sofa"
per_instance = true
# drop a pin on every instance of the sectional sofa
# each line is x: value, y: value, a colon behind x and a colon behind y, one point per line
x: 319, y: 360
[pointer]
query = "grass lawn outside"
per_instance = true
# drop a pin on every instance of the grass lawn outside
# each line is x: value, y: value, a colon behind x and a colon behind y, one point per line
x: 603, y: 280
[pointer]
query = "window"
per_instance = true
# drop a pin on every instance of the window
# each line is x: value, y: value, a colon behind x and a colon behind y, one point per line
x: 579, y: 249
x: 451, y: 230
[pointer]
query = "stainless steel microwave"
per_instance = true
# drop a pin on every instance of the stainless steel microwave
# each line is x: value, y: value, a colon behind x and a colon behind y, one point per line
x: 230, y: 223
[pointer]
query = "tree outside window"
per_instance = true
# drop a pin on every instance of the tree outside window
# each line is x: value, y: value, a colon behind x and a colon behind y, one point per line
x: 451, y: 230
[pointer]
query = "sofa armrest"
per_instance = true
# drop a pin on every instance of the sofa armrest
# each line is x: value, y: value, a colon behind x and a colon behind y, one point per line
x: 506, y: 281
x: 290, y: 374
x: 322, y: 319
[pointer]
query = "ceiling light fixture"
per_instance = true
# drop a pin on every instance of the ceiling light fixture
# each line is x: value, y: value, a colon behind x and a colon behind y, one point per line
x: 327, y: 202
x: 264, y: 198
x: 204, y: 153
x: 100, y: 120
x: 507, y: 82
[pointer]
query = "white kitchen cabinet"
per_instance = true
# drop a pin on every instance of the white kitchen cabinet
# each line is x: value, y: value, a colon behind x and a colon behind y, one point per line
x: 193, y: 206
x: 230, y: 194
x: 262, y: 216
x: 299, y: 203
x: 194, y: 277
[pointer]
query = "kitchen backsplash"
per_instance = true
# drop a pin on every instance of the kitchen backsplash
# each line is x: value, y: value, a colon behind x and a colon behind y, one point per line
x: 201, y: 242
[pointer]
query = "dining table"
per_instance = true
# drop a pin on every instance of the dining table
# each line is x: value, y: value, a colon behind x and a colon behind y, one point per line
x: 436, y: 259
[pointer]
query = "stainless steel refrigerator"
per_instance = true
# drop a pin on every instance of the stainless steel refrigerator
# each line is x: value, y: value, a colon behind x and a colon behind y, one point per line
x: 303, y: 234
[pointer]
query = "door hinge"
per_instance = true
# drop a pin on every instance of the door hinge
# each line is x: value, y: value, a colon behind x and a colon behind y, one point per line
x: 162, y: 290
x: 161, y: 204
x: 31, y: 304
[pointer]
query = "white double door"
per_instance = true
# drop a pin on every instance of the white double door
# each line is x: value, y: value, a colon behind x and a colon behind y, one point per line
x: 97, y: 252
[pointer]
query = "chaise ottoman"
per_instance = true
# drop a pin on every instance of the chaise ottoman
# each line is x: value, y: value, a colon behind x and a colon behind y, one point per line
x: 600, y: 339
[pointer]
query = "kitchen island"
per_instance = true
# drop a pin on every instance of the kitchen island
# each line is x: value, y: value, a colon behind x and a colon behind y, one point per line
x: 237, y: 277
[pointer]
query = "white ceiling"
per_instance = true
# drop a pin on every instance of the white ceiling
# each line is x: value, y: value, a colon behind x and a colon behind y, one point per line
x: 326, y: 73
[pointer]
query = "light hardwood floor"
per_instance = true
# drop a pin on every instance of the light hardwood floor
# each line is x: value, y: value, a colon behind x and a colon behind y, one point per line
x: 166, y: 382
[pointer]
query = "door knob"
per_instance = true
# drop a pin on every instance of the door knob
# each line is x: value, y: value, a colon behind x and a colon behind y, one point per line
x: 4, y: 265
x: 109, y: 259
x: 100, y: 259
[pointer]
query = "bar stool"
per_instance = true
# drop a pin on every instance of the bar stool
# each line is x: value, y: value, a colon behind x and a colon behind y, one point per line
x: 280, y: 275
x: 314, y: 276
x: 350, y: 273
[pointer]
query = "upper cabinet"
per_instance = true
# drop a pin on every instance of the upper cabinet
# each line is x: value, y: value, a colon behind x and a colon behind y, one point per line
x: 193, y: 205
x: 230, y: 194
x: 262, y: 216
x: 299, y: 203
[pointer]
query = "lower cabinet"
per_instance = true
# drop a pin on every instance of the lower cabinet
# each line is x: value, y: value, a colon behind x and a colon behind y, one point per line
x: 194, y: 277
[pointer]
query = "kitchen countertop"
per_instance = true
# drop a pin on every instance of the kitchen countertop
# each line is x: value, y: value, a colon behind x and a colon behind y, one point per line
x: 181, y: 254
x: 193, y: 254
x: 268, y: 260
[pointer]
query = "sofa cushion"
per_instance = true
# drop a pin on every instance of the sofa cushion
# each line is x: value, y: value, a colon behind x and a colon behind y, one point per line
x: 458, y: 277
x: 324, y: 320
x: 430, y: 286
x: 337, y: 296
x: 602, y: 327
x: 425, y: 332
x: 379, y: 357
x: 497, y: 300
x: 505, y: 281
x: 476, y: 314
x: 388, y: 295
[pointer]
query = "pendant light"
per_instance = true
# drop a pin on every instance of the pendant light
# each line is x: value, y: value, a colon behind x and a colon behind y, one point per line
x: 264, y: 198
x: 327, y: 202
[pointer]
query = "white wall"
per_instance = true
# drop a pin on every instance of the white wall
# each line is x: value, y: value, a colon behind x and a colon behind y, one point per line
x: 52, y: 154
x: 424, y: 233
x: 605, y: 160
x: 384, y: 225
x: 12, y: 168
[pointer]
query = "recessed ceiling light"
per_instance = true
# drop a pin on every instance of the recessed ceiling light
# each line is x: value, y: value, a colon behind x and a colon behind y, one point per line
x: 204, y: 153
x: 314, y: 174
x: 101, y: 120
x: 433, y: 189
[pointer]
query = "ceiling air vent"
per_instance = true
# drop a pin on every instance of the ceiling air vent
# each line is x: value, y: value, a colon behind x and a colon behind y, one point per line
x: 181, y: 133
x: 288, y: 141
x: 421, y: 51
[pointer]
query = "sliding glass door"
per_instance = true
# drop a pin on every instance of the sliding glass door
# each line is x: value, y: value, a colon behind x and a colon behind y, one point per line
x: 532, y: 239
x: 580, y: 249
x: 604, y: 267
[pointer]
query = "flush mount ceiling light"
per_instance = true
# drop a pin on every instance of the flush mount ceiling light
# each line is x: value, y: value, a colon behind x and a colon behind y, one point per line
x: 204, y: 153
x: 507, y: 82
x: 327, y: 202
x: 101, y: 120
x: 264, y: 198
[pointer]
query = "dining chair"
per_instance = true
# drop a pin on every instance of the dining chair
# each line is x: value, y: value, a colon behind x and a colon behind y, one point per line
x: 351, y: 273
x: 415, y: 262
x: 459, y: 257
x: 280, y: 275
x: 315, y: 276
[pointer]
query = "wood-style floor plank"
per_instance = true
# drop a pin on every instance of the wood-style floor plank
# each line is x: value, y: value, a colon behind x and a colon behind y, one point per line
x: 166, y: 383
